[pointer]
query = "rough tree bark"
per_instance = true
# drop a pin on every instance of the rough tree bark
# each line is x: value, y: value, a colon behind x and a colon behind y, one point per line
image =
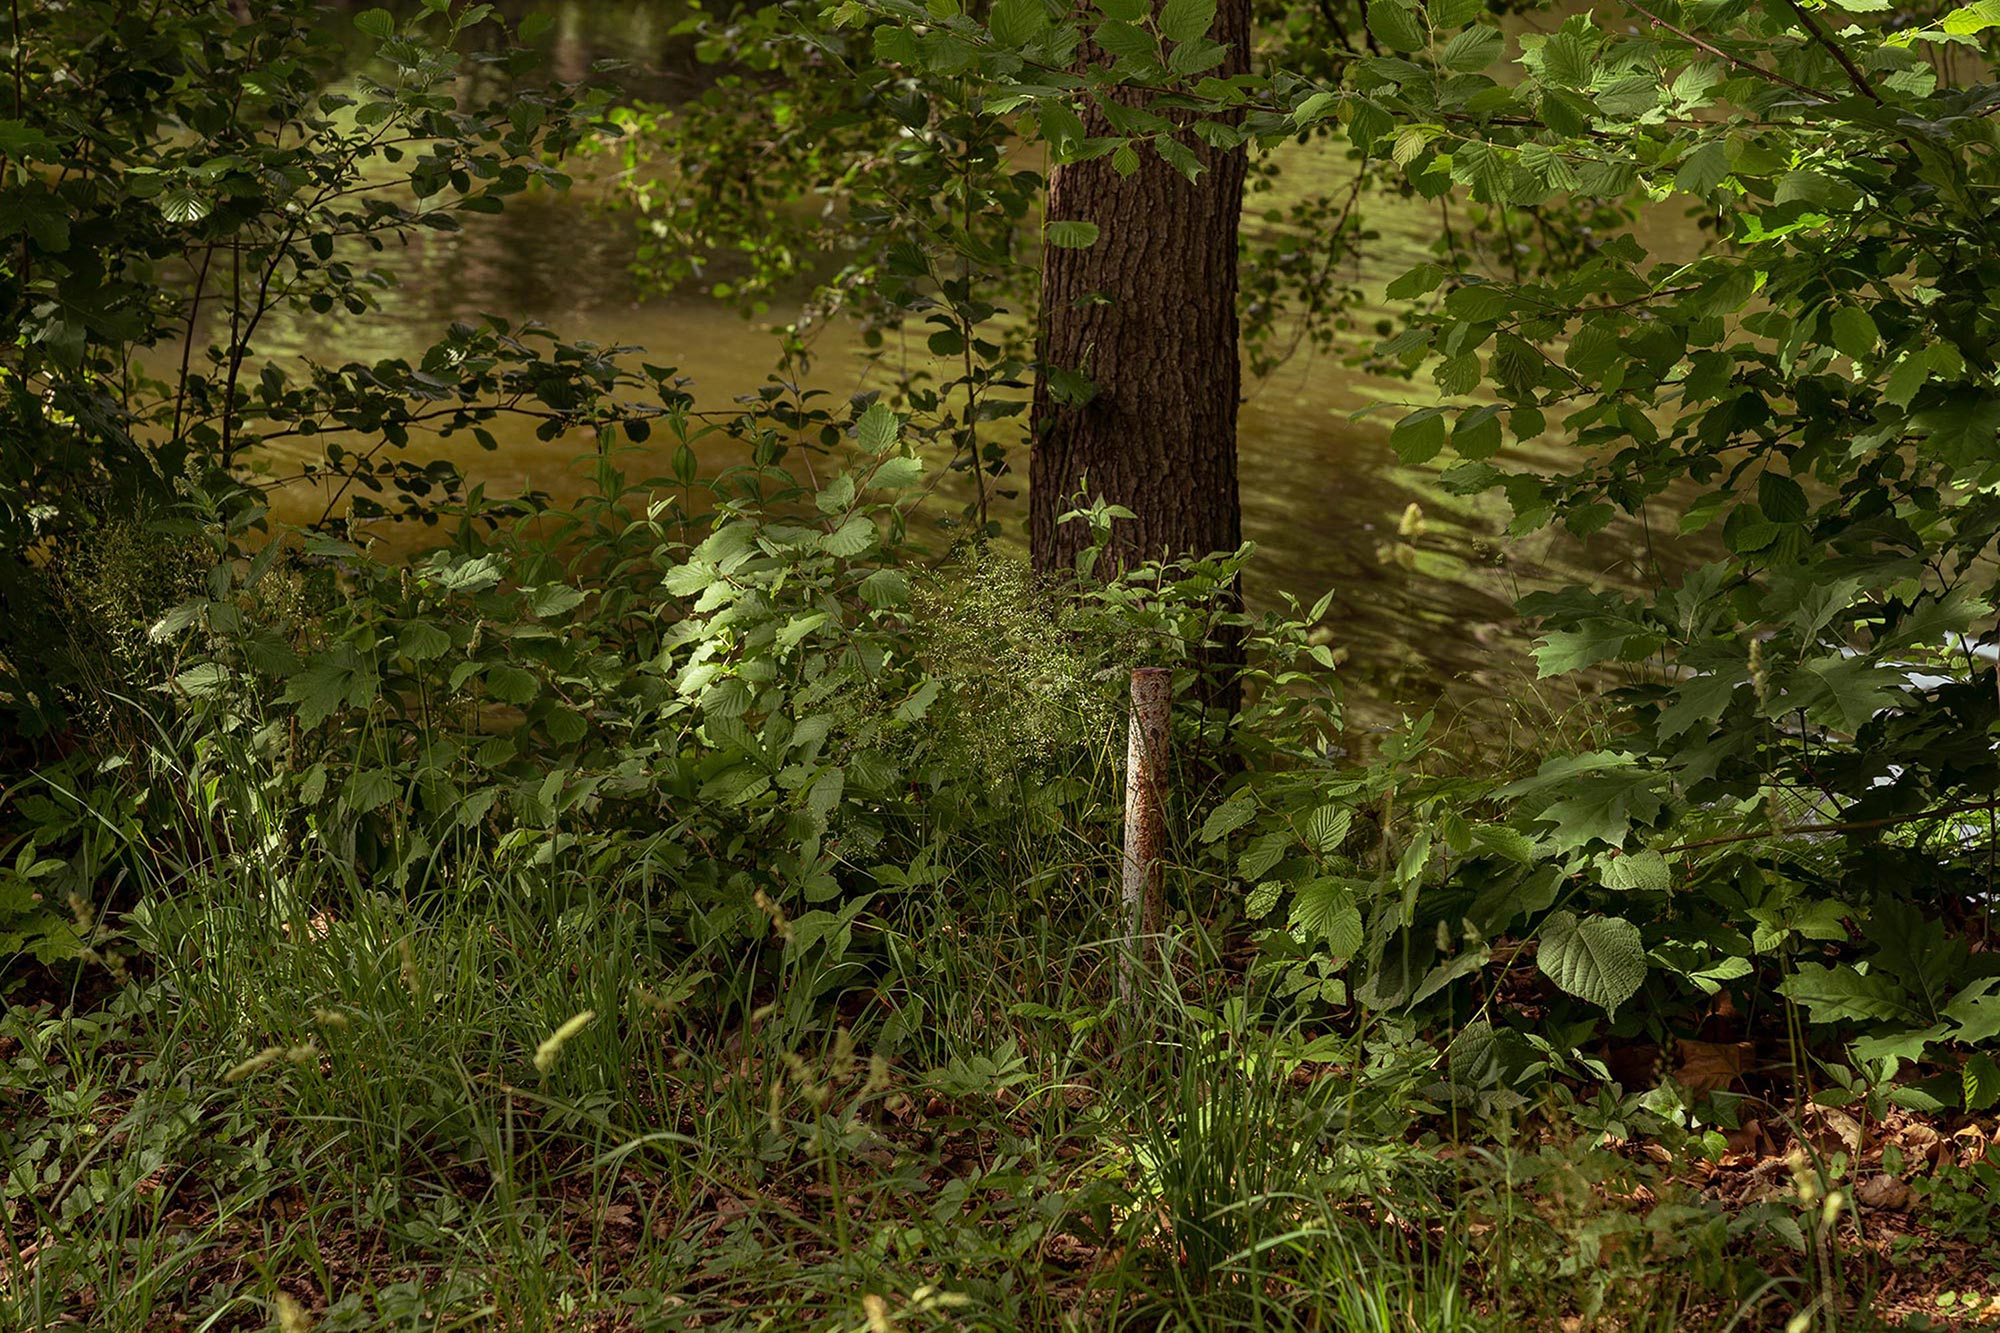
x: 1148, y: 315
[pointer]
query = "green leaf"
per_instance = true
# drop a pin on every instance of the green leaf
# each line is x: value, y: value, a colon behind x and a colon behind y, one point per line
x: 1419, y: 281
x: 1477, y: 434
x: 1264, y: 852
x: 1060, y: 125
x: 1186, y: 20
x: 1566, y: 60
x: 886, y: 588
x: 1601, y: 960
x: 851, y: 538
x: 1782, y: 499
x: 1326, y: 828
x: 919, y: 703
x: 1974, y: 18
x: 183, y: 204
x: 1071, y: 234
x: 512, y: 684
x: 1842, y: 692
x: 1604, y: 807
x: 1563, y: 651
x: 1502, y: 841
x: 1831, y: 994
x: 1481, y: 302
x: 1981, y: 1078
x: 1418, y: 437
x: 1177, y: 155
x: 1395, y: 25
x: 1473, y: 49
x: 836, y: 495
x: 877, y: 429
x: 554, y: 599
x: 794, y: 630
x: 1325, y: 909
x: 1644, y: 872
x: 1703, y: 169
x: 1232, y: 814
x: 1854, y: 331
x: 1017, y: 22
x: 421, y: 641
x: 1976, y: 1012
x: 376, y: 23
x: 895, y: 474
x: 320, y: 691
x: 824, y: 795
x: 369, y: 789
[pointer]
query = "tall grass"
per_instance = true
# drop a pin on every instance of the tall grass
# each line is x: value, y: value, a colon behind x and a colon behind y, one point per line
x: 388, y: 1109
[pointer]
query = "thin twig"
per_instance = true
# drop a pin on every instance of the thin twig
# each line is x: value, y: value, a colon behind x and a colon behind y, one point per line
x: 1836, y: 50
x: 1748, y: 67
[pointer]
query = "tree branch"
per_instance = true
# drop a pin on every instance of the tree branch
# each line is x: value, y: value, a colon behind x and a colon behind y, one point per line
x: 1836, y: 50
x: 1856, y: 826
x: 1748, y: 67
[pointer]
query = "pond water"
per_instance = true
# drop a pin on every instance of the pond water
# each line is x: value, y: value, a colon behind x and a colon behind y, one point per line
x: 1322, y: 492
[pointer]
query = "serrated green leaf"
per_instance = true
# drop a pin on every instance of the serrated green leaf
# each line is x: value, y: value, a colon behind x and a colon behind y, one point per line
x: 897, y: 474
x: 1837, y: 993
x: 1395, y: 25
x: 512, y: 684
x: 1264, y: 852
x: 824, y: 795
x: 1226, y: 818
x: 1703, y: 169
x: 1973, y: 18
x: 1782, y: 499
x: 1480, y: 302
x: 554, y: 599
x: 1854, y: 331
x: 421, y: 641
x: 1639, y: 871
x: 1017, y: 22
x: 1186, y: 20
x: 1601, y: 959
x: 369, y: 789
x: 851, y: 538
x: 1326, y: 828
x: 877, y: 429
x: 1419, y: 281
x: 183, y: 204
x: 1842, y: 692
x: 886, y: 588
x: 1473, y: 49
x: 1981, y: 1079
x: 1072, y: 235
x: 1419, y: 437
x: 1325, y: 910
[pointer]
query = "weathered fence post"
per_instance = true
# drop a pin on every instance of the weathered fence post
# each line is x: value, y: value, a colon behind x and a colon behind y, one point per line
x: 1145, y: 821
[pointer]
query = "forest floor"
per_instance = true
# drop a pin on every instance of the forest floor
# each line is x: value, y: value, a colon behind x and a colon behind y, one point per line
x: 387, y: 1123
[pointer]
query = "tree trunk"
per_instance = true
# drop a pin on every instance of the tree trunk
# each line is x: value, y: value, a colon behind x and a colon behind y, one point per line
x: 1147, y: 315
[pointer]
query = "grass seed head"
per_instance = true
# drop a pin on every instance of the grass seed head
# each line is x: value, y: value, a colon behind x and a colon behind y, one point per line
x: 551, y: 1047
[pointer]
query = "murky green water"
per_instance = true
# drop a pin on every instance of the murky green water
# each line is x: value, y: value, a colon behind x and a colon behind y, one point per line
x: 1322, y: 493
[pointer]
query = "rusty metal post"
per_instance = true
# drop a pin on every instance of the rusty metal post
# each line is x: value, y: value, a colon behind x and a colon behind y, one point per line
x: 1145, y: 821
